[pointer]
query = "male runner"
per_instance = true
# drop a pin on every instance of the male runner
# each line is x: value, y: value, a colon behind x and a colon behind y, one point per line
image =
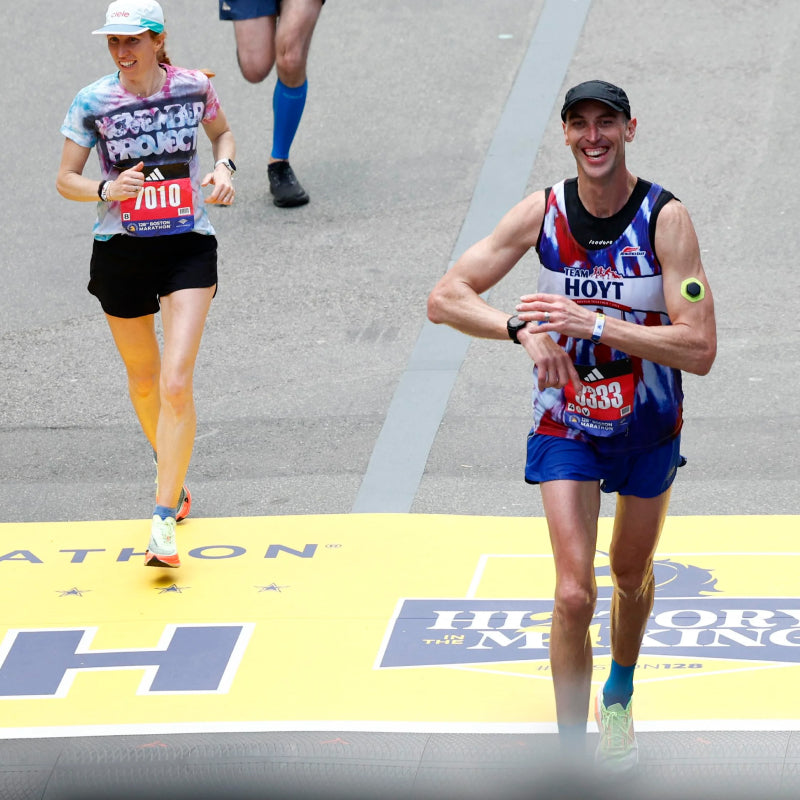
x: 623, y: 306
x: 277, y: 32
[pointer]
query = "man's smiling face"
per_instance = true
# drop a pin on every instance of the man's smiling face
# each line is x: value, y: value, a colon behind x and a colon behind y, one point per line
x: 597, y: 134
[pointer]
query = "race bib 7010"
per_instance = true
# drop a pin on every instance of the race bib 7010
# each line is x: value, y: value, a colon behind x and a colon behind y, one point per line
x: 164, y: 204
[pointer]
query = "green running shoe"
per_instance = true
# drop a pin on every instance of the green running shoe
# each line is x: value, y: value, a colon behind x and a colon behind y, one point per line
x: 617, y: 751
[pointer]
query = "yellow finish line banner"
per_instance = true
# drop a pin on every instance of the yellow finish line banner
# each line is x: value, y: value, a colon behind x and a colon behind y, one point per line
x: 386, y: 621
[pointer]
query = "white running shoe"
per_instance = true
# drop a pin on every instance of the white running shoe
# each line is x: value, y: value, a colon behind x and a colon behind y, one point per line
x: 162, y: 550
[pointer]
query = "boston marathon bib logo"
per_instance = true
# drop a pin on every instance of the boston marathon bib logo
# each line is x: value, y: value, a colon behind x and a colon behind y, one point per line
x: 692, y: 622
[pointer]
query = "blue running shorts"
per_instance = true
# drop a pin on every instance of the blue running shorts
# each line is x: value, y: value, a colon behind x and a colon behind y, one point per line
x: 646, y: 473
x: 249, y: 9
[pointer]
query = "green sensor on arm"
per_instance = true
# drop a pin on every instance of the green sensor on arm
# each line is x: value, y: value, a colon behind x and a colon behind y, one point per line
x: 693, y: 290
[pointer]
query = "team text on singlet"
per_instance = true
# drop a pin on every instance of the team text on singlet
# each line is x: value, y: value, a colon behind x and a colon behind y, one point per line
x: 627, y: 403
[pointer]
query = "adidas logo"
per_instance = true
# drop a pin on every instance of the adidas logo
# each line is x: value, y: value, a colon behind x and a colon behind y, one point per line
x: 594, y: 375
x: 155, y: 175
x: 226, y: 7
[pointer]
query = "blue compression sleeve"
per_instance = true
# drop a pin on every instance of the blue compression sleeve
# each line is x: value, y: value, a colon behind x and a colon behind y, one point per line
x: 619, y: 686
x: 287, y: 106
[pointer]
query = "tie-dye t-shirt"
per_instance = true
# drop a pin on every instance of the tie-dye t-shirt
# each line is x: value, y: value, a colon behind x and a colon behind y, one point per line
x: 158, y: 130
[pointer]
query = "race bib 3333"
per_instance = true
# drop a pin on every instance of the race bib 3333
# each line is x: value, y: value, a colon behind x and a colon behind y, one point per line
x: 604, y: 406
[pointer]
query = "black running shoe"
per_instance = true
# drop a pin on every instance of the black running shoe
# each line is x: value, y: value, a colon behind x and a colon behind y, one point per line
x: 284, y: 186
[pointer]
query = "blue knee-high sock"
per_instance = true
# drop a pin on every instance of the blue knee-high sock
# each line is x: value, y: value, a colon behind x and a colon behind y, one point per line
x: 287, y: 106
x: 619, y: 686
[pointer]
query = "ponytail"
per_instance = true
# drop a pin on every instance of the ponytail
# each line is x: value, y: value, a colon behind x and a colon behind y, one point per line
x: 161, y: 55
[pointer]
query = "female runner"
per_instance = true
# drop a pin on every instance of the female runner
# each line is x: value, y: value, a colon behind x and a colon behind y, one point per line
x: 154, y: 246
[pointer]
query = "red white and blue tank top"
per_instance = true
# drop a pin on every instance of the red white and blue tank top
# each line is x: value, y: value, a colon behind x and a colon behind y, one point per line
x: 628, y: 403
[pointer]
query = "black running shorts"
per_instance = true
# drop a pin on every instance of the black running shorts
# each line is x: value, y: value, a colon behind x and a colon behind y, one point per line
x: 128, y: 274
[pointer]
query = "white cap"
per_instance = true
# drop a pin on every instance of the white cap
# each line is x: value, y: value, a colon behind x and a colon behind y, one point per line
x: 131, y: 17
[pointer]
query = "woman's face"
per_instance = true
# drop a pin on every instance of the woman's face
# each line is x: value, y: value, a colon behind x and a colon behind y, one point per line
x: 134, y: 55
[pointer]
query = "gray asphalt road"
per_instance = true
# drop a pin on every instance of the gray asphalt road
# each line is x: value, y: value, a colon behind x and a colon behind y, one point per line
x: 320, y: 308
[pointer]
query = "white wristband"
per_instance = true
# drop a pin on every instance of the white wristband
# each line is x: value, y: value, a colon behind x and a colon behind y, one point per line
x: 599, y: 324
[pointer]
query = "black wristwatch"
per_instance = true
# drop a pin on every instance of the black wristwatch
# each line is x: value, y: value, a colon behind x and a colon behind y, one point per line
x: 514, y: 326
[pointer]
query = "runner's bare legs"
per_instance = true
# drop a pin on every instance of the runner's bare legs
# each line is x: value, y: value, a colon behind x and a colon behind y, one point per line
x: 572, y: 508
x: 637, y: 529
x: 161, y: 387
x: 138, y: 346
x: 183, y: 316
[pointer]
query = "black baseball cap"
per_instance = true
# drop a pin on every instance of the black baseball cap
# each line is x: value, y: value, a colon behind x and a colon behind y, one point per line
x: 602, y: 91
